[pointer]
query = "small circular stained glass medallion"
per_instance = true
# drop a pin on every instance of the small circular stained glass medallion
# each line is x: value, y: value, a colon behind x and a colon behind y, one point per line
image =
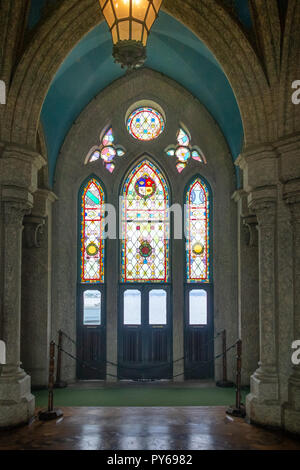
x: 183, y: 154
x: 108, y: 154
x: 145, y: 124
x: 92, y: 249
x: 145, y: 250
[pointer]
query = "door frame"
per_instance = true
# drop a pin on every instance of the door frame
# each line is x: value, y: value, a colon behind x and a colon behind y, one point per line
x: 81, y: 288
x: 207, y: 371
x: 155, y: 371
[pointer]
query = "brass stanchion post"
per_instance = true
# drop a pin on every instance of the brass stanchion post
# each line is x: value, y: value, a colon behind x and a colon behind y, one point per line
x: 51, y: 413
x: 59, y: 383
x: 224, y: 382
x: 239, y: 408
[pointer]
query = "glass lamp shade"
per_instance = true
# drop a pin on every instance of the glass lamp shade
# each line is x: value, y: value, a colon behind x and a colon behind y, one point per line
x: 130, y: 22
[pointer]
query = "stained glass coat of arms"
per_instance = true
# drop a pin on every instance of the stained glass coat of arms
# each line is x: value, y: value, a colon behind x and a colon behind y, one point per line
x: 145, y: 226
x: 197, y: 232
x: 92, y: 233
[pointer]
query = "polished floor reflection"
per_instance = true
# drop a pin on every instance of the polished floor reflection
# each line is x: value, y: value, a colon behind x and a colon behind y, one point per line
x: 157, y: 428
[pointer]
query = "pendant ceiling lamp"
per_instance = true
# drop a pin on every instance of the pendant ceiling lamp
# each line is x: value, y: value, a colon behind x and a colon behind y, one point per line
x: 130, y: 22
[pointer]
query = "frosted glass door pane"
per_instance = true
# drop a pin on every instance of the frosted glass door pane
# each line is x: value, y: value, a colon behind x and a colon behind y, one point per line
x: 132, y: 307
x: 92, y: 307
x: 198, y: 307
x: 157, y: 307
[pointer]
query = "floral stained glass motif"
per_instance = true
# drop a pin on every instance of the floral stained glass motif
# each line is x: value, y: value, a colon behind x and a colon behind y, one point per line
x: 107, y: 151
x: 145, y: 124
x: 198, y: 232
x: 184, y: 151
x: 145, y: 226
x: 92, y: 233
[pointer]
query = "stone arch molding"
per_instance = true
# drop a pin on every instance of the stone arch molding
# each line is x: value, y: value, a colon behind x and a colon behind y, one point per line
x: 72, y: 20
x: 71, y: 171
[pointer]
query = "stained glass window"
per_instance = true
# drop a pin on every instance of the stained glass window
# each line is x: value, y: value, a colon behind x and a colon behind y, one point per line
x: 197, y: 232
x: 107, y: 151
x: 145, y: 226
x: 183, y: 151
x: 145, y: 124
x: 92, y: 233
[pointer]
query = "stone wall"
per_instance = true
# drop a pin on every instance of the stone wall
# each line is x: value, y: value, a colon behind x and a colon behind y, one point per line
x: 110, y: 107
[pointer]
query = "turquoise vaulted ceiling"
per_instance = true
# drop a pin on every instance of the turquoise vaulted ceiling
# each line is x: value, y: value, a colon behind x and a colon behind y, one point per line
x: 172, y: 50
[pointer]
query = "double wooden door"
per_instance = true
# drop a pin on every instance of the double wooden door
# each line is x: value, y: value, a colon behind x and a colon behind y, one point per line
x: 145, y: 332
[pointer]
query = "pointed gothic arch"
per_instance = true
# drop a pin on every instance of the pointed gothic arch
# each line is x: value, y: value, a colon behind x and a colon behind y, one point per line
x: 71, y: 20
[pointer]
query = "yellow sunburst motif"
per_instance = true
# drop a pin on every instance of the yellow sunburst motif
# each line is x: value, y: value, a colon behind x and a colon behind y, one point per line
x: 198, y: 249
x: 92, y: 249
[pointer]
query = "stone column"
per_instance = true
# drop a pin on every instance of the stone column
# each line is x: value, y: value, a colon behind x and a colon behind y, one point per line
x: 178, y: 310
x: 177, y: 247
x: 18, y: 179
x: 263, y: 401
x: 292, y: 409
x: 36, y: 278
x: 248, y: 304
x: 112, y: 295
x: 16, y: 401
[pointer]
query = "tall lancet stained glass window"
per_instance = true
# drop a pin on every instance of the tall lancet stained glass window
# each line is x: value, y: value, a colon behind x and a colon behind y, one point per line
x: 145, y: 226
x: 198, y: 232
x: 92, y: 233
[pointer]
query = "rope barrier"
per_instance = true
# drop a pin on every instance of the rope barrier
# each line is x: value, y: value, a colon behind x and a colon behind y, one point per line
x: 205, y: 362
x: 51, y: 413
x: 61, y: 332
x: 59, y: 383
x: 239, y: 409
x: 224, y: 382
x: 83, y: 363
x: 88, y: 366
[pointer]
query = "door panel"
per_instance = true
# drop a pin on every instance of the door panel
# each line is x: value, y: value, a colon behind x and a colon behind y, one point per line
x: 91, y: 332
x: 145, y: 348
x: 158, y: 345
x: 132, y: 345
x: 199, y: 345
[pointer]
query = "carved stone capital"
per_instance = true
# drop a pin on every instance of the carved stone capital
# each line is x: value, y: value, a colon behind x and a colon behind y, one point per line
x: 291, y: 196
x: 250, y: 230
x: 33, y: 231
x: 259, y: 165
x: 289, y: 149
x: 264, y: 209
x: 19, y: 167
x: 43, y: 200
x: 14, y: 213
x: 265, y: 213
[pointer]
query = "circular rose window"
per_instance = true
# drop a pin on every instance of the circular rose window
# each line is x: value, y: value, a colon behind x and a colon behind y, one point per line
x: 145, y: 124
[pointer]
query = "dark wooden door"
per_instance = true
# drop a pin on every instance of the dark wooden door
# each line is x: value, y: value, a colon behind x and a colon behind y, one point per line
x: 91, y: 333
x: 199, y: 332
x: 145, y: 333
